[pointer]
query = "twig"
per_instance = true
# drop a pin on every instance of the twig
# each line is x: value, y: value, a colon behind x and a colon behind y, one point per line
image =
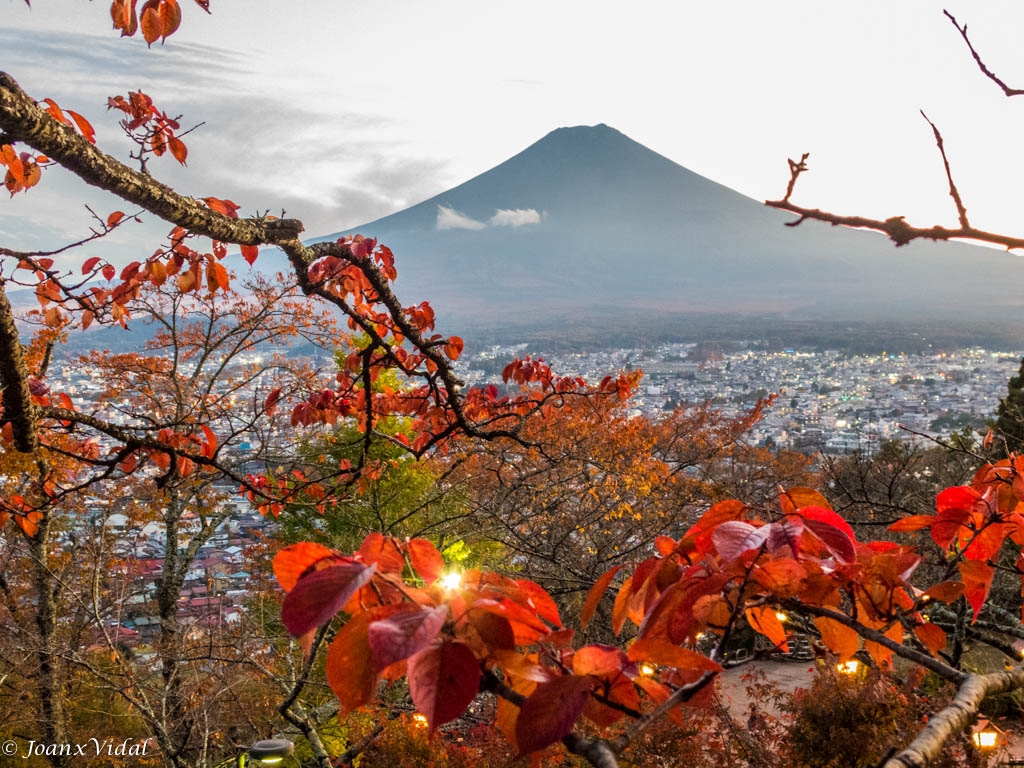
x: 981, y: 65
x: 961, y: 211
x: 795, y: 169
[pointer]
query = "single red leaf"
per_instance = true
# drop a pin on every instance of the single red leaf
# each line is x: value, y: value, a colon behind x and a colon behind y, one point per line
x: 977, y: 578
x: 912, y: 523
x: 933, y: 637
x: 527, y: 627
x: 294, y: 560
x: 958, y: 497
x: 534, y: 597
x: 763, y: 619
x: 382, y: 551
x: 37, y: 387
x: 218, y: 277
x: 551, y: 711
x: 833, y: 531
x: 986, y: 543
x: 210, y: 446
x: 732, y: 538
x: 178, y: 149
x: 666, y: 654
x: 782, y: 577
x: 882, y: 655
x: 270, y: 405
x: 426, y: 560
x: 946, y: 592
x: 55, y: 111
x: 443, y: 679
x: 402, y: 634
x: 349, y: 669
x: 318, y: 596
x: 84, y: 126
x: 605, y: 661
x: 170, y: 20
x: 453, y: 347
x: 842, y: 640
x: 149, y: 21
x: 792, y: 500
x: 494, y: 629
x: 596, y: 593
x: 665, y: 545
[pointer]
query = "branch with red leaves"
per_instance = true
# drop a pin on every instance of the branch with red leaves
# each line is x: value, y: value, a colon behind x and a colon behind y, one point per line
x: 354, y: 275
x: 22, y: 120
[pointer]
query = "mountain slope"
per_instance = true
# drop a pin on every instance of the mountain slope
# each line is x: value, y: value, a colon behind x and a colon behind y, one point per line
x: 587, y: 223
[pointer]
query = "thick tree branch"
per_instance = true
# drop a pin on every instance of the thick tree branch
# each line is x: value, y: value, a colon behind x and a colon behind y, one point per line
x: 21, y: 119
x: 18, y: 410
x: 960, y: 713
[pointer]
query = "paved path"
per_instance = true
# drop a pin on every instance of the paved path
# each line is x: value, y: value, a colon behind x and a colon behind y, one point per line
x: 787, y: 675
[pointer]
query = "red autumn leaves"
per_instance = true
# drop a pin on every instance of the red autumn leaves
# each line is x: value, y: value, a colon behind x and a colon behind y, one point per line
x: 24, y: 169
x: 448, y: 640
x: 451, y: 643
x: 972, y: 523
x: 150, y: 127
x: 158, y: 19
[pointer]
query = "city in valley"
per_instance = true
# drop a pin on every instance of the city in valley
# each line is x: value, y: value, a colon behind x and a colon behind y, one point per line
x: 825, y: 402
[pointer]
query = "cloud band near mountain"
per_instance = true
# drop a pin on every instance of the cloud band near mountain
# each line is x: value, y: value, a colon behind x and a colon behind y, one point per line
x: 449, y: 218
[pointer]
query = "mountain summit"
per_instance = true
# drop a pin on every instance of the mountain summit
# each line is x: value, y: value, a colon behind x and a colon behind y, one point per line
x: 588, y: 224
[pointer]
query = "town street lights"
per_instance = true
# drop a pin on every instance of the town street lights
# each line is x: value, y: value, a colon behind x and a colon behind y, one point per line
x: 850, y: 667
x: 985, y: 735
x: 267, y: 752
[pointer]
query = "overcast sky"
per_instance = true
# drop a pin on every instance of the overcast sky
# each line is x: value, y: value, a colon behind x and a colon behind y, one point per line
x: 342, y: 112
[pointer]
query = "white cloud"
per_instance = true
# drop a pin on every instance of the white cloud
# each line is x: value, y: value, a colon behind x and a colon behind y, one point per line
x: 449, y: 218
x: 515, y: 217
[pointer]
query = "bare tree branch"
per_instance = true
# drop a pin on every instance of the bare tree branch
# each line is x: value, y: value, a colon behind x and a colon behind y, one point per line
x: 895, y: 227
x: 981, y: 65
x: 961, y: 211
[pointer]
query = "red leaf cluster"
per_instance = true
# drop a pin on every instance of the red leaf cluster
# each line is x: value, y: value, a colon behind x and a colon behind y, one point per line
x: 151, y: 127
x: 972, y: 523
x: 158, y: 19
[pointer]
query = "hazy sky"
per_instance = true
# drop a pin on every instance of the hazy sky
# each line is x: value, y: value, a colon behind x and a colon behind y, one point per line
x: 342, y: 112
